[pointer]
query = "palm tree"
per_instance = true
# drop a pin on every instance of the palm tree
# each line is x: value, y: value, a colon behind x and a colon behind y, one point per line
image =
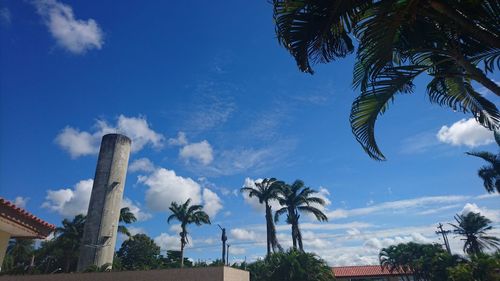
x: 491, y: 172
x: 69, y: 237
x: 266, y: 191
x: 473, y: 227
x: 296, y: 199
x: 187, y: 214
x: 126, y: 216
x: 398, y: 41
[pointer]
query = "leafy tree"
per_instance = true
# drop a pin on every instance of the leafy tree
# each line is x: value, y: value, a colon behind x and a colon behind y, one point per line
x: 18, y: 256
x: 474, y: 227
x: 292, y: 265
x: 139, y: 253
x: 398, y: 41
x: 61, y: 253
x: 490, y: 173
x: 68, y: 239
x: 296, y: 199
x: 423, y: 261
x: 187, y: 214
x: 127, y: 217
x: 173, y: 260
x: 266, y: 191
x: 480, y: 268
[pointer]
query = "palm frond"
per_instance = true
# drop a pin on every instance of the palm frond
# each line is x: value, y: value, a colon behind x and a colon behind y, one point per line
x: 315, y: 211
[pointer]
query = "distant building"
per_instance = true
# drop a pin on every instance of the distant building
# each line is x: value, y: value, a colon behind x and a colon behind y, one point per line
x: 16, y: 222
x: 368, y: 273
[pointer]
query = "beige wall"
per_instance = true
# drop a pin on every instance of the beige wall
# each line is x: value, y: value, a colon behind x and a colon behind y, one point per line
x: 187, y: 274
x: 4, y: 242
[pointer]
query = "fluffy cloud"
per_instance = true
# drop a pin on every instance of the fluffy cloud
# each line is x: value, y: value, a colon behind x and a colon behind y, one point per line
x: 165, y: 187
x: 141, y: 165
x: 70, y: 202
x: 243, y: 234
x: 493, y: 215
x: 181, y: 139
x: 135, y: 209
x: 168, y: 242
x: 76, y: 36
x: 20, y: 201
x: 212, y: 202
x: 200, y: 151
x: 80, y: 143
x: 465, y: 132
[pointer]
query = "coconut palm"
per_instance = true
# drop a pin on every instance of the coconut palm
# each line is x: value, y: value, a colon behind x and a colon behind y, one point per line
x: 473, y: 227
x: 490, y: 173
x: 296, y: 199
x: 127, y: 217
x: 187, y: 214
x: 266, y: 191
x: 68, y: 238
x: 398, y: 41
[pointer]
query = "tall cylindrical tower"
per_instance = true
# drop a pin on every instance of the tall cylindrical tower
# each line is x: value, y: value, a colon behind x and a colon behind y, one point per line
x: 99, y: 235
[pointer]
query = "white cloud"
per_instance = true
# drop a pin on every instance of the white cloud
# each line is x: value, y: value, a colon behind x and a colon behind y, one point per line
x: 200, y: 151
x: 75, y: 35
x: 465, y: 132
x: 5, y: 16
x: 79, y: 143
x: 396, y: 206
x: 135, y: 209
x: 181, y: 139
x: 243, y: 234
x: 165, y: 187
x: 20, y: 201
x: 141, y: 165
x: 493, y: 215
x: 212, y: 202
x: 70, y: 202
x: 168, y: 242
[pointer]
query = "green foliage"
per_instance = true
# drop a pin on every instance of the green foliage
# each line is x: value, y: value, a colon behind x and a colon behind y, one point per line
x: 127, y: 217
x: 296, y: 199
x: 480, y: 268
x: 139, y: 253
x: 490, y: 173
x: 473, y: 227
x: 292, y: 265
x: 187, y: 214
x: 397, y: 42
x: 18, y: 256
x: 267, y: 191
x: 173, y: 260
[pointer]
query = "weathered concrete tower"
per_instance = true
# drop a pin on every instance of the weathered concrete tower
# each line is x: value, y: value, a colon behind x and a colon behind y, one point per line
x: 99, y: 235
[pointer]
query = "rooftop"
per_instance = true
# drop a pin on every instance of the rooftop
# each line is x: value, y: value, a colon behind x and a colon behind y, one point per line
x: 362, y: 270
x: 21, y: 223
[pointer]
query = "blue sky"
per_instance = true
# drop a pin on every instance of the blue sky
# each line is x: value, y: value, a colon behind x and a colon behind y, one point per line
x: 211, y: 102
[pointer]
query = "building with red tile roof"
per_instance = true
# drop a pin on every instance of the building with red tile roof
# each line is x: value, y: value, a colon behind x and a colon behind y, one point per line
x: 367, y: 272
x: 16, y: 222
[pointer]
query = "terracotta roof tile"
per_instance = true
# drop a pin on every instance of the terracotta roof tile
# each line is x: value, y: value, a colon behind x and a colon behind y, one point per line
x: 38, y: 224
x: 362, y: 270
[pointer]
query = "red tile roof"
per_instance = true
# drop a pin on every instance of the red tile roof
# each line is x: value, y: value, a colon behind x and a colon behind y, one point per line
x: 19, y: 215
x: 362, y: 270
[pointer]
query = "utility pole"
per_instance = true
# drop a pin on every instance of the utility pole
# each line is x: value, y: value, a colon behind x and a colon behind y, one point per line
x: 224, y: 239
x: 445, y: 237
x: 227, y: 257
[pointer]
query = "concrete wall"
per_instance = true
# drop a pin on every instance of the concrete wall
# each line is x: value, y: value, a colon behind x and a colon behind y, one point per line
x: 4, y: 242
x: 99, y: 235
x: 186, y: 274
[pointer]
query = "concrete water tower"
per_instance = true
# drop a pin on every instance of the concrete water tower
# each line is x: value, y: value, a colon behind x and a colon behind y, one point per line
x: 99, y: 235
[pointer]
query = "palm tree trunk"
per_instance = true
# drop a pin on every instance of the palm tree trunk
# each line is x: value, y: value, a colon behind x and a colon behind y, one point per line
x: 182, y: 253
x: 268, y: 227
x: 299, y: 238
x: 467, y: 25
x: 294, y: 235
